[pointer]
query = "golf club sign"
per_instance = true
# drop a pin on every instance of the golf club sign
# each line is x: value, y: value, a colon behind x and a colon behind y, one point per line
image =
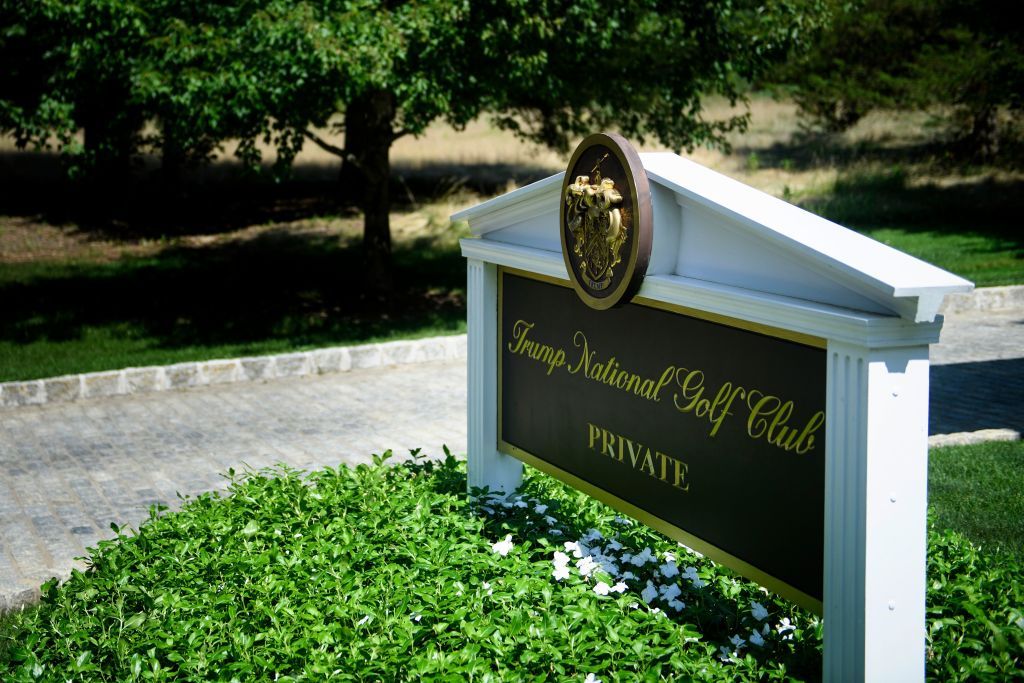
x: 697, y: 427
x: 742, y: 375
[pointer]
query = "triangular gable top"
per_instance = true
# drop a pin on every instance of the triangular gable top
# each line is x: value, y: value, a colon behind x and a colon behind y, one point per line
x: 710, y: 227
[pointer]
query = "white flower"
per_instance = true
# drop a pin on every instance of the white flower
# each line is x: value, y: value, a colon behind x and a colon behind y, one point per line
x: 758, y: 611
x: 619, y: 588
x: 623, y: 521
x: 416, y: 616
x: 549, y: 520
x: 560, y: 559
x: 634, y: 605
x: 586, y: 566
x: 614, y: 545
x: 520, y: 504
x: 561, y: 572
x: 670, y: 592
x: 591, y: 678
x: 608, y: 566
x: 784, y: 627
x: 737, y: 641
x: 601, y: 588
x: 669, y: 569
x: 487, y: 587
x: 756, y: 639
x: 503, y: 547
x: 724, y: 654
x: 541, y: 509
x: 363, y: 620
x: 695, y: 580
x: 677, y: 605
x: 649, y: 593
x: 554, y: 532
x: 643, y: 558
x: 574, y: 548
x: 628, y: 576
x: 593, y: 535
x: 669, y: 557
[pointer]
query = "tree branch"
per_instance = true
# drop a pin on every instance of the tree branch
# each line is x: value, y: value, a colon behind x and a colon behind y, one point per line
x: 324, y: 145
x: 399, y: 133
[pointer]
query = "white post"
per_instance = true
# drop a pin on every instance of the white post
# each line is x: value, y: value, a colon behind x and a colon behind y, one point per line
x: 876, y: 474
x: 485, y: 465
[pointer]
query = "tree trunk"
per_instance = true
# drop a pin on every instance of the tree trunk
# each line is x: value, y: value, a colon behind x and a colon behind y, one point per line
x: 365, y: 175
x: 172, y: 162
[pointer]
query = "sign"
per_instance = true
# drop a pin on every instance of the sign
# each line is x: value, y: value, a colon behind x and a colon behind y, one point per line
x: 606, y: 221
x: 710, y: 429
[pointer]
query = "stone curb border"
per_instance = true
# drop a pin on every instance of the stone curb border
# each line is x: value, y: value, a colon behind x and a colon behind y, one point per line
x: 985, y: 299
x: 144, y: 380
x: 971, y: 438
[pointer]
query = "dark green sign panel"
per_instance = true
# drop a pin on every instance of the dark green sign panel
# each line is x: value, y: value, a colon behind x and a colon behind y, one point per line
x: 711, y: 430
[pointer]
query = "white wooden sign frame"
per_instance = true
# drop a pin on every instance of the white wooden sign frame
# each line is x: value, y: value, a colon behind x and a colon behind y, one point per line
x: 730, y: 250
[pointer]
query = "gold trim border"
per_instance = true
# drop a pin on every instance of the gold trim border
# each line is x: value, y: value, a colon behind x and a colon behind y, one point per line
x: 723, y: 557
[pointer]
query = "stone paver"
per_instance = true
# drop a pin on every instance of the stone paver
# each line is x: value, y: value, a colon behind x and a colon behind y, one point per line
x: 69, y: 470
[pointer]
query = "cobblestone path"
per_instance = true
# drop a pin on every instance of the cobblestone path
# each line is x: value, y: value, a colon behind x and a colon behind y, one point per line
x: 67, y: 471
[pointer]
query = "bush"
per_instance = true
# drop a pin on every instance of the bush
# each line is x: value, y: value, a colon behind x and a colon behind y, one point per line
x: 392, y: 573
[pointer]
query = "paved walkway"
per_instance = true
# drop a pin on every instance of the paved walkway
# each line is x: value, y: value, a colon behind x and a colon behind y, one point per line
x: 67, y: 471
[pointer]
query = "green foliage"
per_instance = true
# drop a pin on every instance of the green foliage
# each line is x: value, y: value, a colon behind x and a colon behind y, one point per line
x: 975, y: 613
x: 273, y: 68
x: 876, y: 54
x: 392, y: 573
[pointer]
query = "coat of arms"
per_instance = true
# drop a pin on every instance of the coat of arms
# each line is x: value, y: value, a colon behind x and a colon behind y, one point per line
x: 597, y: 225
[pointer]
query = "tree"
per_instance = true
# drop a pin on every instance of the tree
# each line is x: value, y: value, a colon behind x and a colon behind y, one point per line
x: 964, y: 59
x: 549, y: 70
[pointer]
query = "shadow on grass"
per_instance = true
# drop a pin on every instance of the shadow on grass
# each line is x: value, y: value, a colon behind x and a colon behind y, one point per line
x: 223, y: 196
x: 297, y: 287
x: 889, y: 199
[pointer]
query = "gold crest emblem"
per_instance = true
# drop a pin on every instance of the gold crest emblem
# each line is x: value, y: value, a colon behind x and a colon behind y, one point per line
x: 606, y: 221
x: 594, y: 217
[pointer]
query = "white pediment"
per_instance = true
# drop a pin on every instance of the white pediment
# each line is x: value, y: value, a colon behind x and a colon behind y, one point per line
x: 711, y: 230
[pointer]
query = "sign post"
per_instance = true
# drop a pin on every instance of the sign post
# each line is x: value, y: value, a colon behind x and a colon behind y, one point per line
x: 700, y: 355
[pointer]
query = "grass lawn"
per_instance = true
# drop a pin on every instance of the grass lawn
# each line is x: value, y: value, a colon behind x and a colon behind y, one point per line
x: 979, y: 492
x: 392, y: 573
x: 239, y: 267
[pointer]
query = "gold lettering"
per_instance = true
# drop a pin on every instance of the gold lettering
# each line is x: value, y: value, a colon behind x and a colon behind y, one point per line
x: 585, y: 354
x: 681, y: 471
x: 606, y: 436
x: 692, y: 389
x: 519, y: 332
x: 805, y: 442
x: 726, y: 395
x: 670, y: 470
x: 648, y: 462
x: 595, y: 432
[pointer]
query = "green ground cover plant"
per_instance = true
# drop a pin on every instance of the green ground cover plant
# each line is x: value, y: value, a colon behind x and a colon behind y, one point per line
x: 391, y: 572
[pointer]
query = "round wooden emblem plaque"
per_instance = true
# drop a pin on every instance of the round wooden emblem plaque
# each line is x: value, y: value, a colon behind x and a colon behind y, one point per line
x: 606, y: 220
